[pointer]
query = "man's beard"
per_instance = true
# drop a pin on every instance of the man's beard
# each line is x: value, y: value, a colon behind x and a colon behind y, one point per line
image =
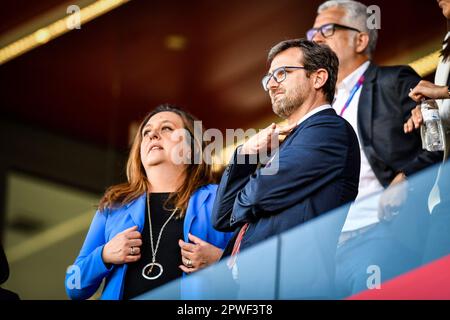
x: 285, y: 106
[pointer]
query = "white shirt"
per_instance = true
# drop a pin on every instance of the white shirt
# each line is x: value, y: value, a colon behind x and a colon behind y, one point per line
x: 314, y: 111
x: 366, y: 212
x: 441, y: 78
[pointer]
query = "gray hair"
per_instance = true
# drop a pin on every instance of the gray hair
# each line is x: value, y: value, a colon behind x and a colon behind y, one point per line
x: 355, y: 16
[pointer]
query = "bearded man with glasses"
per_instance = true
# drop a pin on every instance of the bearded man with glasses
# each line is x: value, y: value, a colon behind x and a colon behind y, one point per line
x: 317, y: 165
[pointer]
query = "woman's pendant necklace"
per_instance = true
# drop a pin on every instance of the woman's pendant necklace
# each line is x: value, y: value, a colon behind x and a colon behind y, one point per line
x: 147, y: 271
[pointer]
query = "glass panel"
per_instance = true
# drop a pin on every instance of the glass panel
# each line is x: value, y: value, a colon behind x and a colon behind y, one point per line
x: 46, y: 223
x: 317, y: 261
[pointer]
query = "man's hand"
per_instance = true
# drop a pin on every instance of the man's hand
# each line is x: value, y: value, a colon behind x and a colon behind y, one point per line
x: 400, y: 177
x: 393, y: 198
x: 267, y: 139
x: 415, y: 121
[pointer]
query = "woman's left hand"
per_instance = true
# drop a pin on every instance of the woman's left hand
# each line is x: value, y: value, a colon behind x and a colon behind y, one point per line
x: 197, y: 255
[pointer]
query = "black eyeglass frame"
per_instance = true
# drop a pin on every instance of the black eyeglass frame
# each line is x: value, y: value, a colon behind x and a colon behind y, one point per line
x: 266, y: 79
x: 334, y: 26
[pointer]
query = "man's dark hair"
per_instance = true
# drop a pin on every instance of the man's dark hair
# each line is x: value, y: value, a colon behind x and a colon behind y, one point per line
x: 315, y: 56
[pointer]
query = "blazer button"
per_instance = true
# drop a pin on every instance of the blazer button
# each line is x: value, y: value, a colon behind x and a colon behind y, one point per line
x: 233, y: 219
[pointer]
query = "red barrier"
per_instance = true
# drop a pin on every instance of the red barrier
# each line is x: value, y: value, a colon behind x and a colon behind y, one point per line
x: 431, y: 281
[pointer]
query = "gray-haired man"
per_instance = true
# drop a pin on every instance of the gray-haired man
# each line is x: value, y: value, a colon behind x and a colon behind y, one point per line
x: 375, y: 101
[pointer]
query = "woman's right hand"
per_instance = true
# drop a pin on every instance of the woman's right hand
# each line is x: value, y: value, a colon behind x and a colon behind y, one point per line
x: 123, y: 248
x: 428, y: 90
x: 414, y: 122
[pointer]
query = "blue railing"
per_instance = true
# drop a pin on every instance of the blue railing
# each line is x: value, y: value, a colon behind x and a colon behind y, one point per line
x: 302, y: 263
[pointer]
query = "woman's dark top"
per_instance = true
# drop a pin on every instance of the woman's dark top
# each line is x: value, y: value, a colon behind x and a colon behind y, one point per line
x: 168, y: 253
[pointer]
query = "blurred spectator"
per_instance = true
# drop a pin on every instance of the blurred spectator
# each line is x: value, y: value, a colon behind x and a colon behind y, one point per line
x: 4, y: 275
x: 438, y: 241
x: 375, y: 101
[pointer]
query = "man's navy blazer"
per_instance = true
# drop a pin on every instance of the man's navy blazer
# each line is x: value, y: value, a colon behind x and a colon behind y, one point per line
x: 318, y: 170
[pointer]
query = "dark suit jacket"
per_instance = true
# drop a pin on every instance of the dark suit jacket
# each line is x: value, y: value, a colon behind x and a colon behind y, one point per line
x: 319, y: 165
x: 383, y: 108
x: 4, y: 274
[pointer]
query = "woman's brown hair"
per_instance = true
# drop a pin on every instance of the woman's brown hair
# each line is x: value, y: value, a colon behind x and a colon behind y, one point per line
x: 197, y: 175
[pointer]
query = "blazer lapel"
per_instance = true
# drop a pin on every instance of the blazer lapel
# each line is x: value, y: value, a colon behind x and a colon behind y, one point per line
x: 195, y: 203
x: 188, y: 219
x: 365, y: 105
x: 136, y: 210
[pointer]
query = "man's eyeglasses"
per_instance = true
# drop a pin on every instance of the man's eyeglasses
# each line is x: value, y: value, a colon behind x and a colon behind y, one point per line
x: 327, y: 30
x: 279, y: 75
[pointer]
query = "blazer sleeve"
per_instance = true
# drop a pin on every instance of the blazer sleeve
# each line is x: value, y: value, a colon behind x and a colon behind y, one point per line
x: 217, y: 238
x: 89, y: 270
x: 234, y: 178
x: 406, y: 79
x: 314, y: 158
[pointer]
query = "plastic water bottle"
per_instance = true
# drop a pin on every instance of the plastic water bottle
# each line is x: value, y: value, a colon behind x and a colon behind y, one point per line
x: 432, y: 130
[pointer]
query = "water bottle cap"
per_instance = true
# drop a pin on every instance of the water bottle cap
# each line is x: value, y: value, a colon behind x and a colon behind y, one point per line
x: 428, y: 104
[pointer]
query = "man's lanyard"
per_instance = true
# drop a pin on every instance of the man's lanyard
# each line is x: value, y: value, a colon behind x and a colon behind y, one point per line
x: 352, y: 94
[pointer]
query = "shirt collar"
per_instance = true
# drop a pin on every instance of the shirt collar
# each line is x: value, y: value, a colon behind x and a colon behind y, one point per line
x: 313, y: 112
x: 350, y: 81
